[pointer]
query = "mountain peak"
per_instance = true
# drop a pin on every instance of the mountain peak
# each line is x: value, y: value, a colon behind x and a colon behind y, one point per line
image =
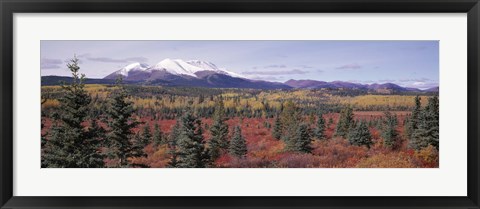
x: 133, y: 67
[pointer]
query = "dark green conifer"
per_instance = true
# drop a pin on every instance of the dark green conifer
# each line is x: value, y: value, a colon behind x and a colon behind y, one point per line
x: 191, y: 145
x: 277, y: 129
x: 70, y: 144
x: 389, y: 132
x: 301, y: 142
x: 359, y: 135
x: 319, y: 131
x: 121, y: 124
x: 157, y: 135
x: 146, y: 137
x: 218, y: 144
x: 345, y: 122
x: 172, y: 145
x: 238, y: 145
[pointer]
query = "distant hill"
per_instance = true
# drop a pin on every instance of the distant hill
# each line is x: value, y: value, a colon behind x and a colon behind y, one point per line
x: 196, y: 73
x: 386, y: 88
x: 57, y: 80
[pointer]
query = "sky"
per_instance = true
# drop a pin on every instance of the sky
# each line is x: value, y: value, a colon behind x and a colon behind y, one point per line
x: 406, y: 63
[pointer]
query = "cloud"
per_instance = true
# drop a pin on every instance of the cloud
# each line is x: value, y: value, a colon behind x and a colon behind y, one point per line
x: 423, y: 85
x: 113, y: 60
x: 349, y: 67
x: 46, y: 63
x: 269, y: 66
x: 266, y: 78
x: 415, y: 80
x: 386, y: 81
x: 276, y: 72
x: 305, y: 66
x: 275, y: 66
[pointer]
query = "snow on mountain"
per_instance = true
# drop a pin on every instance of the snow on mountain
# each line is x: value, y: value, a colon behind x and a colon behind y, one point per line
x: 133, y: 67
x: 191, y: 68
x: 177, y: 67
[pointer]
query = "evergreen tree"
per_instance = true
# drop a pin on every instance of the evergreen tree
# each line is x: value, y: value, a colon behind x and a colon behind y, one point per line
x: 359, y: 135
x: 427, y: 131
x: 345, y: 122
x: 70, y: 144
x: 414, y: 118
x: 302, y: 140
x: 389, y: 132
x: 191, y: 146
x: 121, y: 123
x: 289, y: 119
x: 319, y: 131
x: 238, y: 145
x: 157, y: 135
x: 219, y: 130
x: 277, y: 129
x: 172, y: 145
x: 146, y: 137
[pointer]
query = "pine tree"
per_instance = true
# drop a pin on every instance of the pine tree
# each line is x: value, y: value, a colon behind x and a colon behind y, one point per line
x: 427, y: 131
x: 414, y: 118
x: 191, y: 146
x: 345, y: 122
x: 277, y: 129
x: 319, y: 131
x: 70, y: 144
x: 146, y: 137
x: 302, y: 140
x: 219, y: 131
x: 359, y: 135
x: 121, y: 125
x: 238, y: 145
x: 289, y: 119
x: 172, y: 145
x: 389, y: 132
x: 157, y: 135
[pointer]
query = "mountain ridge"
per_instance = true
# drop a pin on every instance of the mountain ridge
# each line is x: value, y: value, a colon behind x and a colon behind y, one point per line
x: 197, y: 73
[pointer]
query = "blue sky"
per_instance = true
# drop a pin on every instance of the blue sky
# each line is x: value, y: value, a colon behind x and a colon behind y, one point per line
x: 407, y: 63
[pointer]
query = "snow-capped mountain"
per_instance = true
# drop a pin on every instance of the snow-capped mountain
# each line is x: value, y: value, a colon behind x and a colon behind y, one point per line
x: 208, y: 66
x: 133, y: 67
x: 174, y: 67
x: 131, y: 70
x: 176, y: 72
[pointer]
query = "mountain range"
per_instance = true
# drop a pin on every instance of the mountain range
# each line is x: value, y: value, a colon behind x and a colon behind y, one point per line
x: 176, y: 72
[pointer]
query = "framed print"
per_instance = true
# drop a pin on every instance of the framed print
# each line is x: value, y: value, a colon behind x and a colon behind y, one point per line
x: 196, y: 104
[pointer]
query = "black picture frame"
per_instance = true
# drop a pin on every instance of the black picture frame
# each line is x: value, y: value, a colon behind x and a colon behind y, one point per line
x: 9, y: 7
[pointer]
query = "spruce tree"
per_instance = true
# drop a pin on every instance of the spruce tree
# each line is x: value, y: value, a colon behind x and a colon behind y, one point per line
x: 121, y: 124
x: 289, y: 118
x: 191, y: 146
x: 146, y: 137
x: 172, y: 145
x: 427, y: 131
x: 219, y: 131
x: 157, y: 135
x: 359, y: 135
x: 301, y: 142
x: 415, y: 118
x: 238, y: 145
x: 389, y: 132
x: 70, y: 144
x: 319, y: 131
x: 277, y: 129
x: 345, y: 122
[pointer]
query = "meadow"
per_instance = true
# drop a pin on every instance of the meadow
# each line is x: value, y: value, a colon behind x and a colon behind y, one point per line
x: 299, y: 128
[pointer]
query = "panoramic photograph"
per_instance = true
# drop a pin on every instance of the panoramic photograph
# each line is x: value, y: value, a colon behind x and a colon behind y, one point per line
x: 239, y: 104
